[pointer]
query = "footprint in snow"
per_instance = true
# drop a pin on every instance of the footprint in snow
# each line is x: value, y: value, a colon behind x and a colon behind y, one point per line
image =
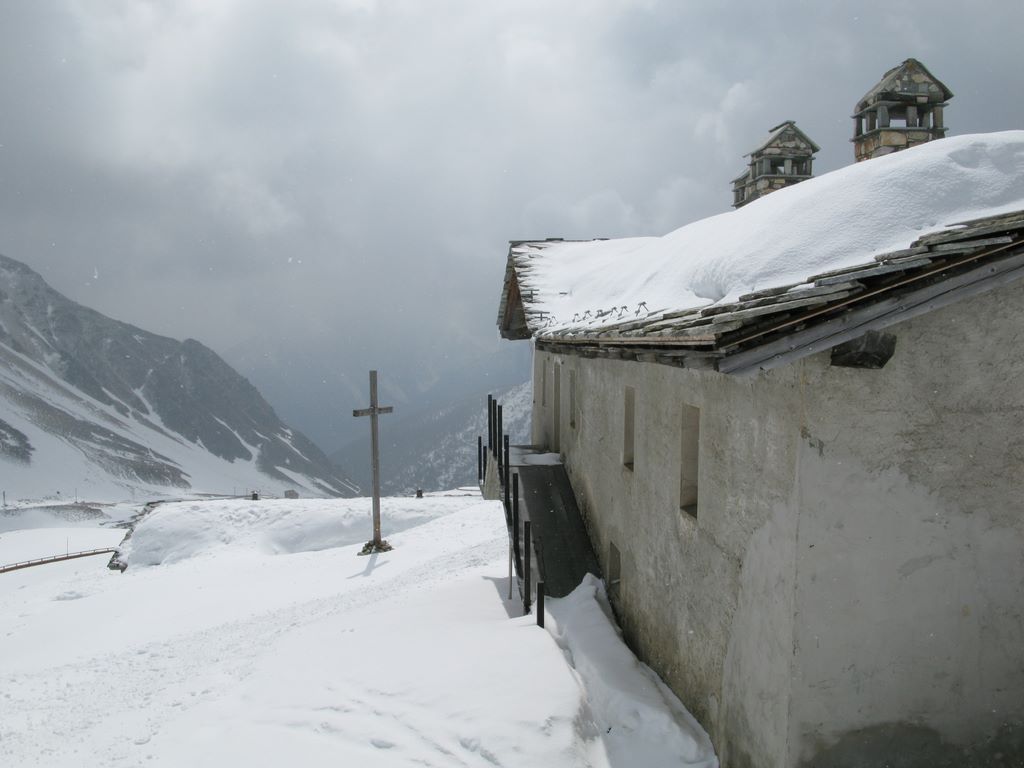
x: 474, y: 745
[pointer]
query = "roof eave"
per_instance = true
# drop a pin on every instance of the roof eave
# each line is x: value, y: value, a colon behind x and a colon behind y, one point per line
x: 776, y: 326
x: 512, y: 323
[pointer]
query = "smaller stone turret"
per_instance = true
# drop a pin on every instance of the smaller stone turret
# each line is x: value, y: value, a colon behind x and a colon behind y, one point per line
x: 903, y: 110
x: 783, y: 159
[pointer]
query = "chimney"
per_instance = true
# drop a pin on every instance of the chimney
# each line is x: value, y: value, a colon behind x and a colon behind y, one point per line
x: 781, y: 160
x: 904, y: 109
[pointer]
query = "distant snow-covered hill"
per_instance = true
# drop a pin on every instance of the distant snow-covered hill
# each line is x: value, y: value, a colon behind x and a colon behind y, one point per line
x: 436, y: 449
x: 97, y: 406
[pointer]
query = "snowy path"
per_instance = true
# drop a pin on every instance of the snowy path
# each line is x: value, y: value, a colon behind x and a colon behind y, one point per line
x: 233, y: 652
x: 157, y: 683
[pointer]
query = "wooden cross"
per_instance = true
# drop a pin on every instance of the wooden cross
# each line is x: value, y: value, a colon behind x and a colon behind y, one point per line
x: 376, y: 544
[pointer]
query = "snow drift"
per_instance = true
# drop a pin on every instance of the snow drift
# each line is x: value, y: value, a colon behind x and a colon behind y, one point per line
x: 178, y: 532
x: 639, y: 719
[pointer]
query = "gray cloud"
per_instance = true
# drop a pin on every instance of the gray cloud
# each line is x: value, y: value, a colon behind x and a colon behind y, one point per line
x: 315, y: 188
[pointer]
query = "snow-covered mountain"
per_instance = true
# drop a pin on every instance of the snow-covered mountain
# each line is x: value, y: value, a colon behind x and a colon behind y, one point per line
x: 436, y: 449
x: 96, y: 406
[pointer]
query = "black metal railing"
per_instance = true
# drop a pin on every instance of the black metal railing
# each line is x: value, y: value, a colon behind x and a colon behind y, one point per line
x: 496, y: 452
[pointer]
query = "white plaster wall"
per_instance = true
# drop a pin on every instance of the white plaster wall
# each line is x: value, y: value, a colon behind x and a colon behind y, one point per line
x: 706, y: 601
x: 911, y: 535
x: 858, y: 556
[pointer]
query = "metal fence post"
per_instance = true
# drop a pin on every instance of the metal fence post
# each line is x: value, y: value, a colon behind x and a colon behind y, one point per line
x: 494, y: 426
x: 515, y: 521
x: 540, y: 604
x: 526, y: 566
x: 505, y: 479
x: 490, y: 421
x: 497, y: 442
x: 511, y: 573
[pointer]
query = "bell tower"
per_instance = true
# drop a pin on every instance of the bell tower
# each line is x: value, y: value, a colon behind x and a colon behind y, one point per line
x: 904, y: 109
x: 781, y: 160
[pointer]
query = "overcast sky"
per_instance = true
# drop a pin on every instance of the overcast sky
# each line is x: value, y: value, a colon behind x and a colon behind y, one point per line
x: 314, y: 188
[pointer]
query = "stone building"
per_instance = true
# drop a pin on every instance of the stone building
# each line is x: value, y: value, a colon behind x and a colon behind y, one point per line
x: 904, y: 109
x: 781, y: 160
x: 796, y: 437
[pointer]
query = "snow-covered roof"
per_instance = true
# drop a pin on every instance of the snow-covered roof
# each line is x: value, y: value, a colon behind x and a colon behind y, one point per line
x: 825, y: 240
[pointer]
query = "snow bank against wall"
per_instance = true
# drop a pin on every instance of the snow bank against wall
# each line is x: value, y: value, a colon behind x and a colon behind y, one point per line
x: 639, y: 720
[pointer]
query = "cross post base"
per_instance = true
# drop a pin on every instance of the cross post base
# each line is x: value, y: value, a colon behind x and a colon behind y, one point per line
x: 372, y: 547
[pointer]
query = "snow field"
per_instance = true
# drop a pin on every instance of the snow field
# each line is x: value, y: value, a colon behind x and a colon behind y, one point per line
x: 249, y: 641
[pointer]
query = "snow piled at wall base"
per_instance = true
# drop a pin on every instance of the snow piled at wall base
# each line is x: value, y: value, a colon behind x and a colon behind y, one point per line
x: 638, y: 718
